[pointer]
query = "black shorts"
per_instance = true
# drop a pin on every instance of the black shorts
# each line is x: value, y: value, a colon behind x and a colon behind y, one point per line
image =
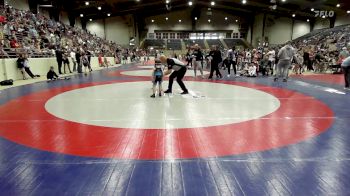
x: 66, y: 61
x: 158, y: 80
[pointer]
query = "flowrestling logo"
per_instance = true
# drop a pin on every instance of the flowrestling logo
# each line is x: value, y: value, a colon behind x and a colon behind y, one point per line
x: 324, y: 13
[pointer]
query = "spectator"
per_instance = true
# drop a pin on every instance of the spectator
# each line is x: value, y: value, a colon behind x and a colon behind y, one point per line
x: 346, y: 70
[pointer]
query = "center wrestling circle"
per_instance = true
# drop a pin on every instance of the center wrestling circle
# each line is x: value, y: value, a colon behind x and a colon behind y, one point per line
x: 287, y: 121
x: 129, y: 106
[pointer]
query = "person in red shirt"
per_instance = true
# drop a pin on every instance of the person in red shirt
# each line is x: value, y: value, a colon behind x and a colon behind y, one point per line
x: 14, y: 43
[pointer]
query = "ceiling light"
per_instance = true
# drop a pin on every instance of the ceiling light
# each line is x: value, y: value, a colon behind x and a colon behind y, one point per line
x: 312, y: 9
x: 166, y: 18
x: 137, y: 0
x: 244, y: 1
x: 195, y: 18
x: 348, y: 12
x: 81, y: 15
x: 293, y: 15
x: 190, y: 3
x: 167, y: 1
x: 90, y: 19
x: 308, y: 20
x: 225, y: 18
x: 179, y: 20
x: 338, y: 5
x: 152, y: 20
x: 99, y: 8
x: 212, y: 3
x: 283, y: 0
x: 209, y: 20
x: 87, y: 3
x: 323, y: 16
x: 236, y: 20
x: 108, y: 14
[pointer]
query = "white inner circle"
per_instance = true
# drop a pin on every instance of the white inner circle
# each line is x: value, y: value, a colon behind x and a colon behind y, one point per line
x: 128, y: 105
x: 146, y: 66
x: 149, y: 73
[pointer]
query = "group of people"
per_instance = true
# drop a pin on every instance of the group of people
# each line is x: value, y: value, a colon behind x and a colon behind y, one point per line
x: 36, y: 35
x: 277, y: 64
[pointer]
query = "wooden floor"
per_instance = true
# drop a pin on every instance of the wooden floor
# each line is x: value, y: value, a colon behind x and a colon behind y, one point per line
x: 102, y: 134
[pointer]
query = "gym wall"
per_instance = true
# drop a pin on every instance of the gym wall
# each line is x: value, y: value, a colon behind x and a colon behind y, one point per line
x: 19, y: 4
x: 342, y: 20
x: 217, y: 22
x: 117, y: 29
x: 173, y: 21
x: 322, y: 23
x: 9, y: 70
x: 300, y: 28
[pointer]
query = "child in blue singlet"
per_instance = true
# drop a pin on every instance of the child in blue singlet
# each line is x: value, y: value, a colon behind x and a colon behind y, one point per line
x: 157, y: 78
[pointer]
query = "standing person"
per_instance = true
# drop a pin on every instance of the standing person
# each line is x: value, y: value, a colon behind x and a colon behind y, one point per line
x: 231, y: 60
x: 248, y: 56
x: 285, y: 56
x: 272, y: 59
x: 78, y: 59
x: 307, y: 61
x: 89, y: 54
x: 157, y: 78
x: 346, y: 70
x: 215, y: 55
x: 65, y: 61
x: 85, y: 62
x: 73, y: 59
x: 197, y: 58
x: 178, y: 70
x: 189, y: 58
x: 59, y: 60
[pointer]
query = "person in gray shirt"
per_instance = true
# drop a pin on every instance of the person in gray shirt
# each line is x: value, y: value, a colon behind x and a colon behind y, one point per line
x: 285, y: 56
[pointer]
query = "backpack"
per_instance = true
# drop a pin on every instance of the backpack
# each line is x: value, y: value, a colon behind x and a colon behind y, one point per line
x: 6, y: 83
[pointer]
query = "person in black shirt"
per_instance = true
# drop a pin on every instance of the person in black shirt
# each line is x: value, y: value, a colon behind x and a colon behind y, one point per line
x: 51, y: 75
x: 88, y: 53
x: 215, y: 55
x: 189, y: 58
x: 177, y: 70
x: 78, y: 59
x: 59, y: 58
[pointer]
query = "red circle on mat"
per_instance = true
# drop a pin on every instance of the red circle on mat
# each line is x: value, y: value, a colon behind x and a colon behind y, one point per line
x: 25, y: 121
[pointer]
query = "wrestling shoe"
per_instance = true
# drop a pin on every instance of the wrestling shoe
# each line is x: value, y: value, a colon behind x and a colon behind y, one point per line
x: 184, y: 93
x: 167, y: 91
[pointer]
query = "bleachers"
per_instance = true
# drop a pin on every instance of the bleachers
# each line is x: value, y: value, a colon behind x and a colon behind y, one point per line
x: 216, y: 42
x: 174, y: 44
x: 234, y: 42
x: 155, y: 43
x: 191, y: 42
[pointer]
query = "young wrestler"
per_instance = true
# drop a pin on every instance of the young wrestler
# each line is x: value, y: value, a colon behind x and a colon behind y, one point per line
x: 157, y: 78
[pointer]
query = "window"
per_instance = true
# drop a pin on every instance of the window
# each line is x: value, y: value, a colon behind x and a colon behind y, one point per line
x: 172, y: 35
x: 165, y: 36
x: 235, y: 35
x: 158, y: 36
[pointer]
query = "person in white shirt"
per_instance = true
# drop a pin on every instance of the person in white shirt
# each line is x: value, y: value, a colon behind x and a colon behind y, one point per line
x: 252, y: 70
x: 272, y: 59
x: 248, y: 56
x: 74, y: 60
